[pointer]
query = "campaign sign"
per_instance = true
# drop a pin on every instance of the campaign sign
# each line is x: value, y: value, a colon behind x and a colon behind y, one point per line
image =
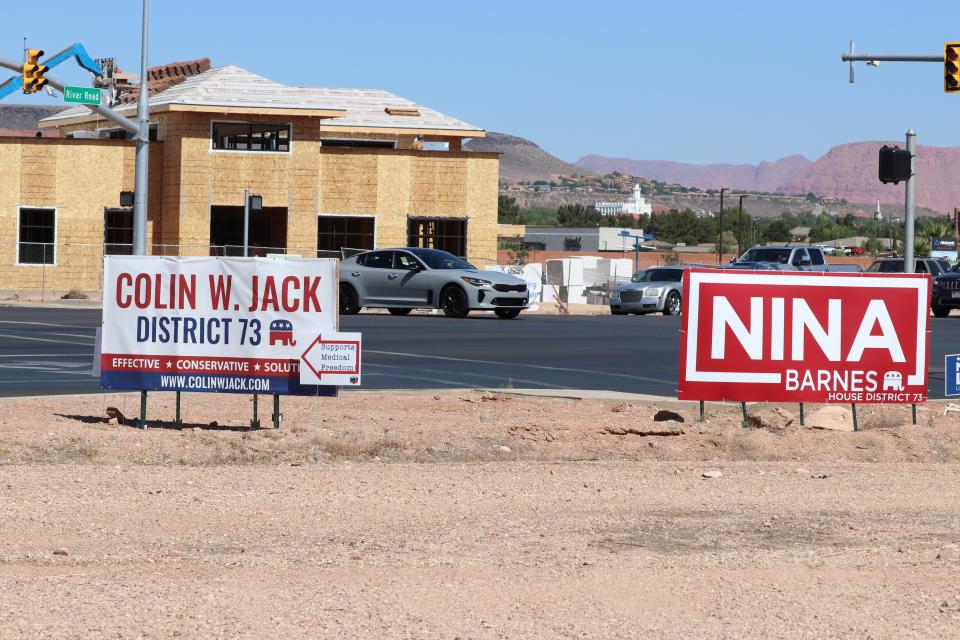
x: 951, y: 375
x: 332, y: 358
x: 804, y: 337
x: 229, y: 325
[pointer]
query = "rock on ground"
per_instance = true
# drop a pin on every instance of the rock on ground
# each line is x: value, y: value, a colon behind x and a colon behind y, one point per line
x: 832, y: 418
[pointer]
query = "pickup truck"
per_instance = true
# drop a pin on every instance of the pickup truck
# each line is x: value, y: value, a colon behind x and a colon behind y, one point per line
x: 789, y: 258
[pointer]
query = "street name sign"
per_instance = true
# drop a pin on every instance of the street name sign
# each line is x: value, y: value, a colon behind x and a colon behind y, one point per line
x: 81, y: 95
x: 229, y: 325
x: 804, y: 337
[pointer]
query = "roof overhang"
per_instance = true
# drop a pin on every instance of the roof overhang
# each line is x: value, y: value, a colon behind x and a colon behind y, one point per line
x: 226, y: 110
x: 333, y: 127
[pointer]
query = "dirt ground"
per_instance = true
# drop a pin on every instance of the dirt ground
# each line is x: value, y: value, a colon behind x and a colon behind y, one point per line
x: 474, y: 515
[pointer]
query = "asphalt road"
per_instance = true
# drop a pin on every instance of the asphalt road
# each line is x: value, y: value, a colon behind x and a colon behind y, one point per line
x: 50, y: 351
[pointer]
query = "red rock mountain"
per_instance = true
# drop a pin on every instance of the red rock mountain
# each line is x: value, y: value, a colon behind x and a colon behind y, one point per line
x: 766, y: 176
x: 847, y: 171
x: 850, y: 171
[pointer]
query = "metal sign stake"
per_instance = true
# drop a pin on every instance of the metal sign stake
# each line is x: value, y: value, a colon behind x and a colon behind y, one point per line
x: 746, y: 419
x: 177, y: 421
x: 255, y: 422
x: 143, y: 409
x: 801, y: 414
x: 276, y: 411
x: 856, y: 427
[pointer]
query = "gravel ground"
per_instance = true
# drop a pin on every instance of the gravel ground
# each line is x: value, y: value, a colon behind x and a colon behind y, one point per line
x: 474, y: 515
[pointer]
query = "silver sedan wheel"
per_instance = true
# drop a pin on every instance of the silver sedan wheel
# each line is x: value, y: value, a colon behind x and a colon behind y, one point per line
x: 672, y: 305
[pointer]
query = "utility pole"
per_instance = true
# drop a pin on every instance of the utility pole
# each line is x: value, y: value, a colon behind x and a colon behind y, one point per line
x: 909, y: 209
x: 720, y: 239
x: 246, y: 222
x: 142, y: 167
x: 740, y: 225
x: 877, y: 218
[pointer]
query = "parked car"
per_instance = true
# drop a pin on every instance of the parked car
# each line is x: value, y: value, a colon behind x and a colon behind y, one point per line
x: 933, y: 266
x: 946, y: 292
x: 401, y: 280
x: 788, y: 258
x: 655, y: 289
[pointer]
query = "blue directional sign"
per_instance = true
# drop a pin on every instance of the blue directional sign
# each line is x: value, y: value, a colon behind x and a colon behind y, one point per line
x: 951, y: 375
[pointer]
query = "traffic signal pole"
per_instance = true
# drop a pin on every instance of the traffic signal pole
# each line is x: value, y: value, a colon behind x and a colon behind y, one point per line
x: 874, y: 59
x: 106, y: 112
x: 142, y: 165
x: 140, y: 128
x: 909, y: 265
x: 910, y: 201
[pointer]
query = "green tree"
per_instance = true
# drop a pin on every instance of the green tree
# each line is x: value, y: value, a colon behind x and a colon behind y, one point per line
x: 937, y: 229
x: 775, y: 231
x: 728, y: 243
x: 577, y: 215
x: 872, y: 246
x: 539, y: 216
x: 623, y: 220
x: 508, y: 211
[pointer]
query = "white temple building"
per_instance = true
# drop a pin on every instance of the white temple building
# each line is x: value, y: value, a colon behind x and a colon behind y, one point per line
x: 636, y: 205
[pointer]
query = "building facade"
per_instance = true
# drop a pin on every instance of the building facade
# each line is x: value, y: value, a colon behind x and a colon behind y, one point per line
x: 636, y: 205
x: 585, y: 239
x: 337, y: 169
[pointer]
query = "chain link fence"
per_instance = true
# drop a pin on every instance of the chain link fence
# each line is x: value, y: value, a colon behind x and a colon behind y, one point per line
x: 44, y: 271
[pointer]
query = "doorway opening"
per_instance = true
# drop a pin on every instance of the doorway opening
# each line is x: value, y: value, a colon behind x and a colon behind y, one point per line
x: 336, y: 233
x: 446, y: 234
x: 267, y: 234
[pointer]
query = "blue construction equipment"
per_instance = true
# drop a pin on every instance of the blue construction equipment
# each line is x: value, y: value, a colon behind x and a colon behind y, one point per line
x: 76, y: 51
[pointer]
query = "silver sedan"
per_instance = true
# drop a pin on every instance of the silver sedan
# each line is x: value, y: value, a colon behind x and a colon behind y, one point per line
x: 401, y: 280
x: 656, y: 289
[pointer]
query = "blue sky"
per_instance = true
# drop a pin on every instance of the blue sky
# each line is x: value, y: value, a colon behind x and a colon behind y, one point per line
x: 687, y: 81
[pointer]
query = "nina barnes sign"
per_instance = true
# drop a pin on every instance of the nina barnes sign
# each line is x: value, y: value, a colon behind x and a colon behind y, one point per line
x: 804, y: 337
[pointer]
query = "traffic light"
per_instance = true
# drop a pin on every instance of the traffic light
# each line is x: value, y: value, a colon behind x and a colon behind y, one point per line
x: 951, y: 67
x: 895, y: 164
x: 33, y: 71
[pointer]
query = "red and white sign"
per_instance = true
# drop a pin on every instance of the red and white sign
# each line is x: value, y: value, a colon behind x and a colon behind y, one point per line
x: 804, y: 337
x: 332, y: 359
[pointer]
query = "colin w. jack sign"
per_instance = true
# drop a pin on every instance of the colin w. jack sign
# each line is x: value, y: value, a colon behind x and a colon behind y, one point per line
x: 804, y: 337
x: 233, y: 325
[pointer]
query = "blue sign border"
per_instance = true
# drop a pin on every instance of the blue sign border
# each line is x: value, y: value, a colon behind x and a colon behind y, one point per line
x: 951, y: 375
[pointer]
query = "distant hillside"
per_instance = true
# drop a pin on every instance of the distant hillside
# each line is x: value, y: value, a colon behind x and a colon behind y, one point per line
x: 847, y: 171
x: 766, y: 176
x: 24, y: 117
x: 523, y: 160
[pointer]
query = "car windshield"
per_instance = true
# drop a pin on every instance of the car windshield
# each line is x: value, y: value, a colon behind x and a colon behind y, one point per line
x: 886, y: 266
x: 658, y: 275
x: 436, y: 259
x: 767, y: 254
